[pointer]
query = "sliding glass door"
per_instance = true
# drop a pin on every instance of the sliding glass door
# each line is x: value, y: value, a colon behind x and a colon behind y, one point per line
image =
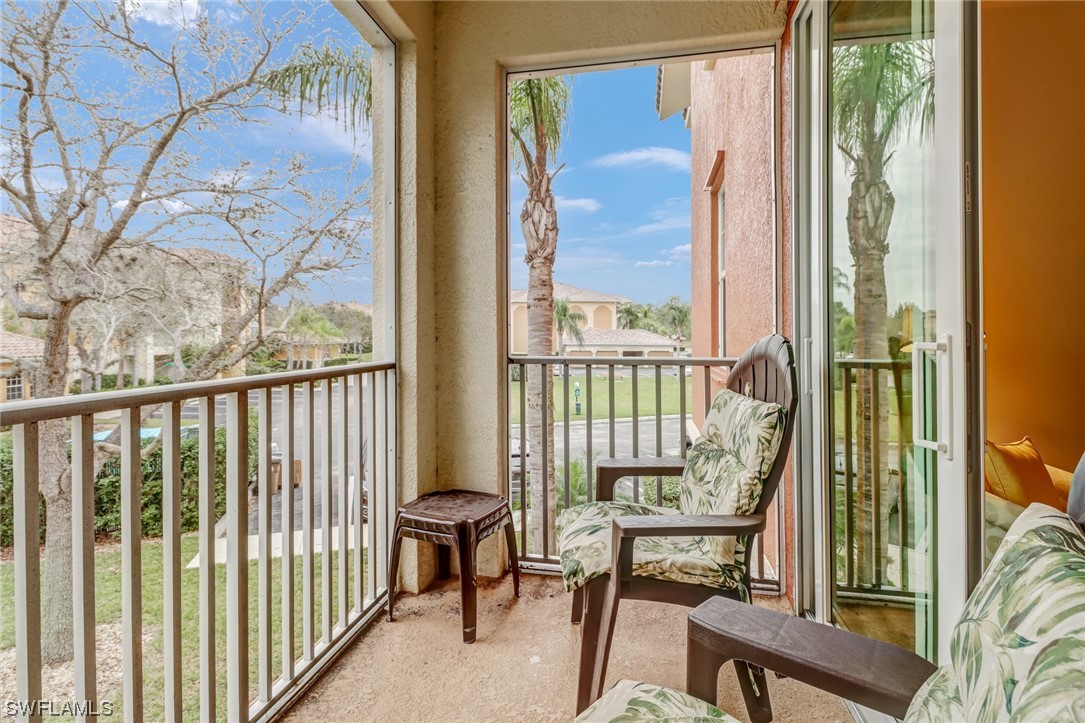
x: 879, y: 253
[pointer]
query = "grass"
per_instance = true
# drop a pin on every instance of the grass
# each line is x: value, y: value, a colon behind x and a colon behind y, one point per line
x: 108, y: 609
x: 600, y: 391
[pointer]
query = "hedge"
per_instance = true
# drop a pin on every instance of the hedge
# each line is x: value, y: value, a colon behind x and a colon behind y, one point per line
x: 107, y: 489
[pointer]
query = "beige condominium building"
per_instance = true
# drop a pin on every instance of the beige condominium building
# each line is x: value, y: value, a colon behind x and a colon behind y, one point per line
x: 601, y: 335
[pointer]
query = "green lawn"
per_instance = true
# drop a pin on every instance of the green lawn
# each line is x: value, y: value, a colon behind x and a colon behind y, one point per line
x: 623, y: 397
x: 108, y: 608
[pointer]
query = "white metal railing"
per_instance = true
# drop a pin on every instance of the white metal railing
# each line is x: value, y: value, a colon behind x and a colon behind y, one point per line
x: 604, y: 430
x: 338, y: 422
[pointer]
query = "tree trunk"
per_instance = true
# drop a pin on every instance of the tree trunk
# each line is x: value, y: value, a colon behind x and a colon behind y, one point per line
x: 538, y: 219
x: 870, y: 211
x: 55, y: 485
x: 540, y: 324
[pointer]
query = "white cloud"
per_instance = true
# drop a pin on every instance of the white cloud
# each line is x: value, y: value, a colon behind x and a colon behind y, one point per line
x: 683, y: 250
x: 165, y: 12
x: 672, y: 214
x: 668, y: 223
x: 670, y: 158
x: 581, y: 204
x: 654, y: 262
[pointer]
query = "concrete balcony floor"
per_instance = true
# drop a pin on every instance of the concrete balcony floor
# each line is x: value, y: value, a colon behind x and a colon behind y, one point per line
x: 523, y: 665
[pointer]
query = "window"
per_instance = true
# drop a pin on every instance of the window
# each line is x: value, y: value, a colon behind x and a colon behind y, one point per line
x: 15, y: 387
x: 716, y: 236
x: 721, y: 245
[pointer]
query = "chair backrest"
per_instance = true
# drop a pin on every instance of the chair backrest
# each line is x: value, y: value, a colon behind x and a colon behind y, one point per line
x: 766, y: 371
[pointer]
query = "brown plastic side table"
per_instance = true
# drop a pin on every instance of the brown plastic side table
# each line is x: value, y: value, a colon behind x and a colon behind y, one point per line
x: 460, y: 519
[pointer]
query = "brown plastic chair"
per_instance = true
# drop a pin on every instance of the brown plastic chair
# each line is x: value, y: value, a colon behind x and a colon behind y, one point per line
x: 766, y: 372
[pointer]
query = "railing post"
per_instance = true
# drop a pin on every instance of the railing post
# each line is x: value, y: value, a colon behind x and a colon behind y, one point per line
x: 84, y: 657
x: 326, y: 502
x: 308, y: 626
x: 237, y: 557
x: 171, y: 558
x: 131, y: 563
x: 360, y: 513
x: 286, y: 514
x: 208, y: 654
x: 263, y: 562
x: 27, y: 565
x: 343, y: 462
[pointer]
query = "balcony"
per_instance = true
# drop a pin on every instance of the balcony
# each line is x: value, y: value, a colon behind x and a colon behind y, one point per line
x: 194, y: 621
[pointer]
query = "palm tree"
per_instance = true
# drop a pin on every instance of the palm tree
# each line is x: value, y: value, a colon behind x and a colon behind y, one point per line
x: 881, y: 91
x: 307, y: 326
x: 537, y: 110
x: 632, y: 316
x: 675, y: 316
x: 567, y: 323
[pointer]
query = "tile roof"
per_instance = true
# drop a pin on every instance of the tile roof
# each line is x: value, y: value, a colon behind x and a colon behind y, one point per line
x: 573, y: 294
x: 20, y: 347
x: 621, y: 337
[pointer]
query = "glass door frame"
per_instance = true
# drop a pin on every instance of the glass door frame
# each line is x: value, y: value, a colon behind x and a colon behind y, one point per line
x: 956, y: 508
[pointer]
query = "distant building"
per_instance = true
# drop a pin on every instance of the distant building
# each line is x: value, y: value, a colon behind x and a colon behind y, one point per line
x: 600, y: 312
x: 193, y: 291
x: 728, y: 107
x: 620, y: 342
x: 17, y: 352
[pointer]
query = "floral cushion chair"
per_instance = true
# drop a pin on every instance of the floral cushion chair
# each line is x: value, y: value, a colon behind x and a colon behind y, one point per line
x: 702, y: 549
x: 1017, y: 652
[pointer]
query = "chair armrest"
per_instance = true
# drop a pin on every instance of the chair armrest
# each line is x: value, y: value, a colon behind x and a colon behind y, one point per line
x: 609, y: 471
x: 626, y: 530
x: 870, y: 672
x: 687, y: 525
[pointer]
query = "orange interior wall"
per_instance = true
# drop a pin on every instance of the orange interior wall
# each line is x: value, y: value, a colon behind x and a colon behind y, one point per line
x: 1033, y: 165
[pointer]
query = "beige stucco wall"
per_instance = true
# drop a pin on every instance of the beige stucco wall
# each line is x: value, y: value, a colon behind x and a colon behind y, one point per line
x: 476, y: 42
x: 452, y: 310
x: 412, y: 25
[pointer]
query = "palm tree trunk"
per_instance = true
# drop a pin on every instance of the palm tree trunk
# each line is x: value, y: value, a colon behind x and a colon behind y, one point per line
x: 540, y: 336
x: 870, y: 210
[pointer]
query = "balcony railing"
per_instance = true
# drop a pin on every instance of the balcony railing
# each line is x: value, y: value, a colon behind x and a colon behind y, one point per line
x: 897, y: 478
x: 318, y: 553
x: 610, y: 407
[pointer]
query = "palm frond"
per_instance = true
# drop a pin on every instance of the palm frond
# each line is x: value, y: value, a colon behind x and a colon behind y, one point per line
x: 881, y: 90
x: 538, y: 104
x: 327, y: 79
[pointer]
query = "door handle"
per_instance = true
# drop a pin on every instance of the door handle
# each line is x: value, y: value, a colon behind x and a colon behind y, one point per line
x: 944, y: 408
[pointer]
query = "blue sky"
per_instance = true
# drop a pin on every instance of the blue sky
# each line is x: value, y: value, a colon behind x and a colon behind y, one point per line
x: 333, y: 155
x: 623, y: 196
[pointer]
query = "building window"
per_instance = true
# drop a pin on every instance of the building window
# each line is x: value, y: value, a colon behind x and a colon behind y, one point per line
x: 721, y: 244
x: 15, y: 387
x: 714, y: 185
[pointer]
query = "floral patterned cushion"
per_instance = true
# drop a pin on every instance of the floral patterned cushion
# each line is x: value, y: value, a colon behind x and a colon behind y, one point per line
x: 748, y: 428
x: 1018, y: 651
x: 632, y: 701
x: 724, y: 475
x: 584, y: 539
x: 726, y: 469
x: 999, y: 515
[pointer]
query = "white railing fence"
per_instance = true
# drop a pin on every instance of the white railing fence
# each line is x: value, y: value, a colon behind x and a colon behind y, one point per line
x: 309, y: 500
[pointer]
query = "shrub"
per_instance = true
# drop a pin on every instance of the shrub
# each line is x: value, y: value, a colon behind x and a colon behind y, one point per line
x: 107, y: 488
